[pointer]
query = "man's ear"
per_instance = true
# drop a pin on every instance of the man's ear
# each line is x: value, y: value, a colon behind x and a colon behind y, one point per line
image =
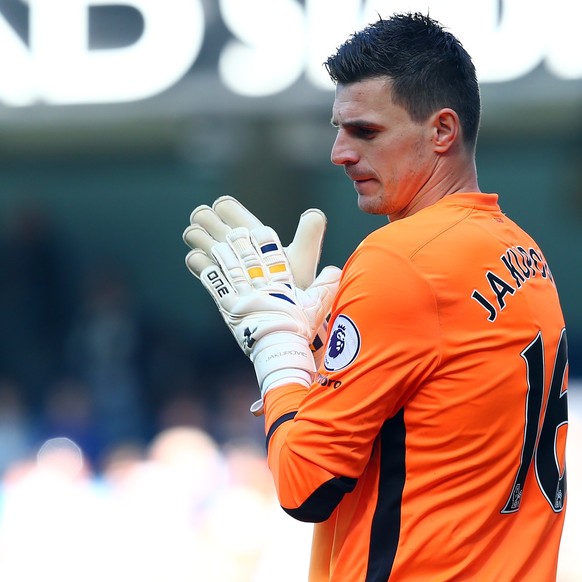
x: 446, y: 129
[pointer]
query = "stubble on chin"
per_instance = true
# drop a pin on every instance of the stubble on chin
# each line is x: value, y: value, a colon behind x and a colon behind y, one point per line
x: 372, y: 205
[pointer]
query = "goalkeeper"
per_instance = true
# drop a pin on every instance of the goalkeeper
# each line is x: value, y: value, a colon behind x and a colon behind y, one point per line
x: 424, y: 431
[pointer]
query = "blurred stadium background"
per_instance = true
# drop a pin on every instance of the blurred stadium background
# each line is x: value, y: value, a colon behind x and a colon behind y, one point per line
x: 126, y: 448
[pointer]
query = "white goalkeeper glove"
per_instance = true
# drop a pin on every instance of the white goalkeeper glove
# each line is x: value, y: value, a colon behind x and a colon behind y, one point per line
x: 210, y: 225
x: 249, y: 278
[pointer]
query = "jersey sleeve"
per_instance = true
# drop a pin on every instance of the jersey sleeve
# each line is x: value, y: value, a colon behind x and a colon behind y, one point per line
x: 383, y: 341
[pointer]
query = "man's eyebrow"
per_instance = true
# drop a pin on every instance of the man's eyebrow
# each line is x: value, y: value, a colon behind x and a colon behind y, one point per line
x: 356, y: 123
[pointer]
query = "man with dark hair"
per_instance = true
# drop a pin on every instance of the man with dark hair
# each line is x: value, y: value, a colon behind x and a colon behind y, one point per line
x: 428, y: 67
x: 432, y: 445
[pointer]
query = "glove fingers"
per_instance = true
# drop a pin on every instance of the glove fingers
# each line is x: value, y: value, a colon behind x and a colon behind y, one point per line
x: 235, y: 269
x: 329, y: 276
x: 271, y: 252
x: 197, y: 260
x: 221, y: 289
x: 247, y: 256
x: 324, y: 289
x: 305, y: 250
x: 234, y: 214
x: 196, y: 210
x: 208, y: 219
x: 197, y: 237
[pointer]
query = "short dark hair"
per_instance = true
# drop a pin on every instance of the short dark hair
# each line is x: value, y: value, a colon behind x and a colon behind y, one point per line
x: 428, y: 67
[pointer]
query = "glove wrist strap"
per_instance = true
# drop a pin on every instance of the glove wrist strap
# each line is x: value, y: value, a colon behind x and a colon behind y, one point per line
x: 282, y: 357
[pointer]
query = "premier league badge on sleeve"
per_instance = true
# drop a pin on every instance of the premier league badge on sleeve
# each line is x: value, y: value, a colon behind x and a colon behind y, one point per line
x: 344, y: 344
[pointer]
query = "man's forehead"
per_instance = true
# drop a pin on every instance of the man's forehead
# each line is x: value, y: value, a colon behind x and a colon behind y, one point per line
x: 360, y: 101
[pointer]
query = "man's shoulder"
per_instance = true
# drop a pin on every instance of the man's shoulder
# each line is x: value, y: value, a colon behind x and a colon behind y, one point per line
x: 456, y: 219
x: 408, y: 235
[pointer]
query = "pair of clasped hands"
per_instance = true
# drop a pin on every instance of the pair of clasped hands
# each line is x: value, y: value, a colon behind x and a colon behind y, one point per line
x: 268, y: 295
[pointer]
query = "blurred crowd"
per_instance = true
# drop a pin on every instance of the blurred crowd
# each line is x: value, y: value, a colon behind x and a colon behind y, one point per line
x: 126, y: 452
x: 182, y: 510
x: 80, y: 357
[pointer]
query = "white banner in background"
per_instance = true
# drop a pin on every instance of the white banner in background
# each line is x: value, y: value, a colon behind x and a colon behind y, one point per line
x: 59, y: 68
x: 272, y: 44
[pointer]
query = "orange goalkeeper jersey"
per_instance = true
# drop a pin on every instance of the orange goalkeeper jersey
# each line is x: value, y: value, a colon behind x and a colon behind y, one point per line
x: 431, y: 445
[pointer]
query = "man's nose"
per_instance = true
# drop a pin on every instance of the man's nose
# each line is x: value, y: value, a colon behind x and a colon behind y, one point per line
x: 342, y: 152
